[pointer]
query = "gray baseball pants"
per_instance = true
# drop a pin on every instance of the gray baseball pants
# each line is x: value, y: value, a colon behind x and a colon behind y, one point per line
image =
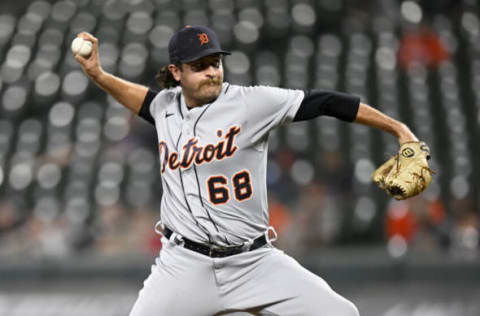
x: 265, y: 281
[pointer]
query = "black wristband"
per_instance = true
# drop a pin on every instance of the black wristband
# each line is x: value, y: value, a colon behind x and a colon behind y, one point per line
x: 145, y: 109
x: 330, y: 103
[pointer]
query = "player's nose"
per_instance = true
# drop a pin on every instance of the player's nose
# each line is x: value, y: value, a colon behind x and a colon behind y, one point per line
x: 211, y: 71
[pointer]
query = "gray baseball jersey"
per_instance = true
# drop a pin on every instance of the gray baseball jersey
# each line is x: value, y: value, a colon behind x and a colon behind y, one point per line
x: 213, y: 160
x: 217, y: 257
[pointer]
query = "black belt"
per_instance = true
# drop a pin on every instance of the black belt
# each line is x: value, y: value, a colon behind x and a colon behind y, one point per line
x: 215, y: 251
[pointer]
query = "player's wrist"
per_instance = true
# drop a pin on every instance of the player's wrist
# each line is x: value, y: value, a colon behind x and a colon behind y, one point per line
x: 97, y: 74
x: 404, y: 134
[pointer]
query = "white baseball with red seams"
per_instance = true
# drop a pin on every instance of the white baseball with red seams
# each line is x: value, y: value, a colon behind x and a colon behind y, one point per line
x: 82, y: 47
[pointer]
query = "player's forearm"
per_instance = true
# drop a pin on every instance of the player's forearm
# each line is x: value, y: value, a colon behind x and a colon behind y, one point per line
x: 129, y: 94
x: 369, y: 116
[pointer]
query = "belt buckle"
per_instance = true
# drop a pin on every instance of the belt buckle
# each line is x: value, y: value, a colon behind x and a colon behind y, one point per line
x: 223, y: 251
x: 213, y: 248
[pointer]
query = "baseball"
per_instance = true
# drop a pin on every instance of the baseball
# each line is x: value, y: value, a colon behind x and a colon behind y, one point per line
x: 81, y: 47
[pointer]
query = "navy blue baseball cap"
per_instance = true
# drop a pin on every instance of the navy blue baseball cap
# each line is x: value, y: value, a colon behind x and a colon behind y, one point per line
x: 193, y: 42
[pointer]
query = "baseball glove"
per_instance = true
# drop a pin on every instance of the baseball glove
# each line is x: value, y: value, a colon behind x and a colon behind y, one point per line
x: 406, y: 174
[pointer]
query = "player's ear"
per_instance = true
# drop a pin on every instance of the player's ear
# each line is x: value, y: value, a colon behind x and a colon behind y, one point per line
x: 176, y: 71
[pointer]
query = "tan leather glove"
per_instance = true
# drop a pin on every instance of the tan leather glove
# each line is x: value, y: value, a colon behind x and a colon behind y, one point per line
x: 407, y: 173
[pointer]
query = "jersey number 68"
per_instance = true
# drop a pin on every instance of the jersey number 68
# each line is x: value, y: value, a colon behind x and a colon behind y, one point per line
x: 219, y: 192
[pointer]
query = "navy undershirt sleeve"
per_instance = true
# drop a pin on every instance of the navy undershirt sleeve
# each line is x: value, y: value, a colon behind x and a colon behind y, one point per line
x: 330, y: 103
x: 145, y: 109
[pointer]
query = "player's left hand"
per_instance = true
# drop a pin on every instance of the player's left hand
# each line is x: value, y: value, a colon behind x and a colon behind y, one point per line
x: 407, y: 173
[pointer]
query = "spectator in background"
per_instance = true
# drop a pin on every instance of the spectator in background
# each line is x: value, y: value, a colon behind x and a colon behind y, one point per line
x: 401, y: 221
x: 422, y: 46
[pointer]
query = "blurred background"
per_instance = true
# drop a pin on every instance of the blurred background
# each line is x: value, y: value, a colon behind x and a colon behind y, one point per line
x: 79, y: 180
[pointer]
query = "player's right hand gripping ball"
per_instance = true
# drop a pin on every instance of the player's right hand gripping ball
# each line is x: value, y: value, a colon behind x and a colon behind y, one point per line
x: 406, y: 174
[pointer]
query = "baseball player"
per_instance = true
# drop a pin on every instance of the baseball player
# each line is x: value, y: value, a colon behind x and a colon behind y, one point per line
x: 218, y: 256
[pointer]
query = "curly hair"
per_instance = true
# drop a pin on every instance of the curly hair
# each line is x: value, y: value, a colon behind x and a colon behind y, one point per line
x: 165, y: 78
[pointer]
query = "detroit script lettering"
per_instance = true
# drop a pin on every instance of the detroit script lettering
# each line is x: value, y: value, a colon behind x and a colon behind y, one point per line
x: 192, y: 153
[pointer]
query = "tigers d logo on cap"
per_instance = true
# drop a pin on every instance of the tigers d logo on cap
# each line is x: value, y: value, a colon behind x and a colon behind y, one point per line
x: 203, y: 37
